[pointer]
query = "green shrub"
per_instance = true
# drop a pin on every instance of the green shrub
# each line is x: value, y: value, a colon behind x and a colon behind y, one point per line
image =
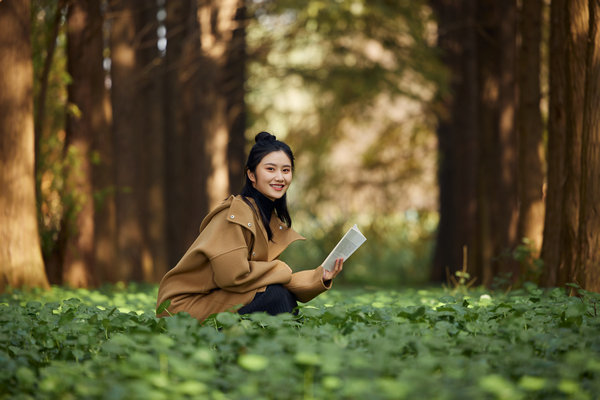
x: 346, y: 344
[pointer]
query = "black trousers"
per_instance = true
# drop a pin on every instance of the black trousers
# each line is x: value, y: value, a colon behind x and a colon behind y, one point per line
x: 275, y: 300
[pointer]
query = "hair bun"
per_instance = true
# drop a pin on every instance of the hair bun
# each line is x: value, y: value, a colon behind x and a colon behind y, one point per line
x: 265, y: 136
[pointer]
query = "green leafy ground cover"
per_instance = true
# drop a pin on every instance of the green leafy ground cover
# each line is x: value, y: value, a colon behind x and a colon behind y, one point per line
x: 347, y: 344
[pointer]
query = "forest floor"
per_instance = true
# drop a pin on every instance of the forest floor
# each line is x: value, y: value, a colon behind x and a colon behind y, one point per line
x: 346, y: 344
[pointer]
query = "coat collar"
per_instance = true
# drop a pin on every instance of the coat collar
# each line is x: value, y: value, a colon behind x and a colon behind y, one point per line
x: 240, y: 213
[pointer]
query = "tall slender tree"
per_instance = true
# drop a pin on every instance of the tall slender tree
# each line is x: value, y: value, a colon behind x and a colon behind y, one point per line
x: 153, y: 156
x: 530, y: 127
x: 478, y: 144
x: 571, y: 236
x: 555, y: 270
x: 505, y: 202
x: 205, y: 111
x: 125, y: 71
x: 20, y: 253
x: 588, y: 271
x: 86, y: 92
x: 222, y: 45
x: 137, y: 125
x: 186, y: 180
x: 458, y: 139
x: 234, y: 88
x: 577, y: 14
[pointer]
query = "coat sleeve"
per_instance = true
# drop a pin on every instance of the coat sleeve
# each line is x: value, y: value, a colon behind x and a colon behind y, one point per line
x: 233, y: 272
x: 308, y: 284
x: 232, y: 269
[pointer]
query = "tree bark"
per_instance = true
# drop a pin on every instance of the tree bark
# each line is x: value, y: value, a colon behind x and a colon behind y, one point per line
x: 497, y: 216
x: 531, y: 173
x: 151, y: 95
x: 21, y: 262
x: 235, y: 78
x: 222, y: 45
x: 457, y: 139
x: 205, y: 112
x: 505, y: 203
x: 554, y: 268
x: 136, y: 126
x: 105, y: 213
x: 576, y: 68
x: 478, y: 153
x: 588, y: 271
x: 85, y: 53
x: 126, y: 116
x: 185, y: 185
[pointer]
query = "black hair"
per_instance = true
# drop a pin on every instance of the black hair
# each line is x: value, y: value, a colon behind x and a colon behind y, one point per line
x: 266, y: 143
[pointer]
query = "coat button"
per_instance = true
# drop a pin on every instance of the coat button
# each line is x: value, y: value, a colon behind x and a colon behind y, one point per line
x: 249, y: 224
x: 280, y: 227
x: 253, y: 254
x: 232, y: 216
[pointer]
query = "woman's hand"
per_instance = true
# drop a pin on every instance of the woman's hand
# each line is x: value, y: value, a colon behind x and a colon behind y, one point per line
x: 337, y: 268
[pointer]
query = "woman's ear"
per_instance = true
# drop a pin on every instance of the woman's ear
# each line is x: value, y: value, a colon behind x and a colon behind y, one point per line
x: 251, y: 176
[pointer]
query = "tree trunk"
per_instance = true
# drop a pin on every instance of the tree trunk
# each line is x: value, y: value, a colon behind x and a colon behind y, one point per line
x: 84, y: 52
x: 588, y: 271
x: 505, y: 203
x: 576, y: 62
x: 105, y: 213
x: 478, y: 153
x: 497, y: 216
x: 531, y: 173
x: 21, y: 262
x: 564, y: 247
x: 205, y: 112
x: 134, y: 125
x: 235, y: 72
x: 221, y: 23
x: 554, y: 268
x: 151, y: 95
x: 457, y: 139
x: 185, y: 185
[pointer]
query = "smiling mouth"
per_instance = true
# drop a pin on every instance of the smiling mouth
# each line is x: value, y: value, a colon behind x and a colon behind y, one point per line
x: 277, y: 187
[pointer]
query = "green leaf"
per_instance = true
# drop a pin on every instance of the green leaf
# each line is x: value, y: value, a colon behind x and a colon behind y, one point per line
x: 163, y: 306
x: 253, y: 362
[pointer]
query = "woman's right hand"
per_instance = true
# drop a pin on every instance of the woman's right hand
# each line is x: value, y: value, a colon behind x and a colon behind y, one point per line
x: 337, y: 268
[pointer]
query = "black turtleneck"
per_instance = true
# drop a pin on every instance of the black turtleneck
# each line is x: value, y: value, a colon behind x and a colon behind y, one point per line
x: 265, y: 207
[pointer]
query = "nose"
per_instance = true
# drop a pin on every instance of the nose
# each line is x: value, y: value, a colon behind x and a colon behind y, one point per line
x: 279, y: 175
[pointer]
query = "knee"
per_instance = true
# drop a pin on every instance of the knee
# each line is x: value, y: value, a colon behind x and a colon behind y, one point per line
x: 278, y: 292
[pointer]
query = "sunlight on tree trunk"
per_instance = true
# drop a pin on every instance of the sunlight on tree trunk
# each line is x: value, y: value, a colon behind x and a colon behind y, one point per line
x: 84, y: 52
x: 589, y: 227
x: 21, y: 262
x: 571, y: 233
x: 531, y: 173
x: 577, y: 45
x: 218, y: 24
x: 497, y: 217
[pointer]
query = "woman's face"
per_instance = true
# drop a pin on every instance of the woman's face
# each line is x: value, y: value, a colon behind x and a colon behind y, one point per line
x: 273, y: 175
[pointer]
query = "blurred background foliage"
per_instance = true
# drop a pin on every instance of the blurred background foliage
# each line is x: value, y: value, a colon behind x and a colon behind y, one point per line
x: 350, y: 86
x: 427, y: 123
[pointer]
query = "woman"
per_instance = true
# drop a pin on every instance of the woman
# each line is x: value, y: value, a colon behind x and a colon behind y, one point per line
x: 233, y: 265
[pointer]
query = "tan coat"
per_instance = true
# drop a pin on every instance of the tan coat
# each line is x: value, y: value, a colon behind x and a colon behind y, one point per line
x: 232, y: 260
